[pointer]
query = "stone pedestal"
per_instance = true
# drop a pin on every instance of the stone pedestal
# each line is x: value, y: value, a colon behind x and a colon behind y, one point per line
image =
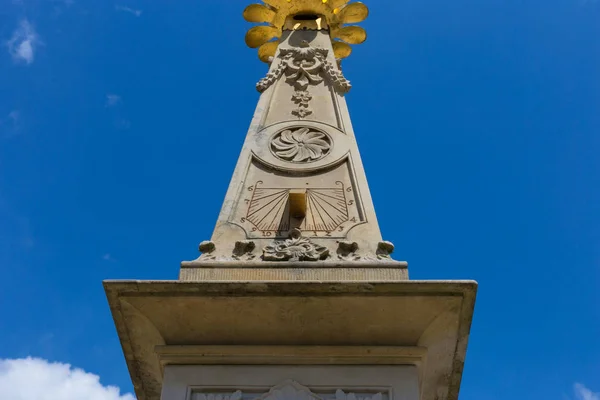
x: 403, y: 339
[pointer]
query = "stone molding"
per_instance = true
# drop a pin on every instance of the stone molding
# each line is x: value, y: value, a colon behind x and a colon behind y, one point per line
x: 297, y: 272
x: 287, y: 390
x: 288, y: 355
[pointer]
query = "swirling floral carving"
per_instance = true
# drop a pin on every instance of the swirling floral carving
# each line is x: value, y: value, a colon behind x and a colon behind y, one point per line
x: 296, y: 248
x: 300, y: 144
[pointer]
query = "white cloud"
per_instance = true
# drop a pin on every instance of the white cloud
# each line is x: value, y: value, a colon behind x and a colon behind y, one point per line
x: 583, y: 393
x: 112, y: 100
x: 137, y: 13
x: 34, y: 378
x: 23, y: 43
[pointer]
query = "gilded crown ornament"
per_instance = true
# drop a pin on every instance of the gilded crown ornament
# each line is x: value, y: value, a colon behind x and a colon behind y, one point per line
x: 332, y: 15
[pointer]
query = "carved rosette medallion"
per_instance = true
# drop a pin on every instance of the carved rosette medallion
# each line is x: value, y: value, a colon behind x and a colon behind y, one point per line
x: 296, y: 248
x: 300, y: 144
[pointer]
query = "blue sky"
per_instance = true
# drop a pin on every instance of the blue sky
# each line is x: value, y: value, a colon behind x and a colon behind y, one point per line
x: 478, y: 124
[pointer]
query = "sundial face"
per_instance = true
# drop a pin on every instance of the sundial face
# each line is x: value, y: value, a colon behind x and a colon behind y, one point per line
x: 306, y: 160
x: 331, y: 210
x: 325, y: 209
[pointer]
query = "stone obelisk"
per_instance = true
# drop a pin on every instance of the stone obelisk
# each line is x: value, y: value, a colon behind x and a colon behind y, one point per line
x: 298, y: 206
x: 296, y: 294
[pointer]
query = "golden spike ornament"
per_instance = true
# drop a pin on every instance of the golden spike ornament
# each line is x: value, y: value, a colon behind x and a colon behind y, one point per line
x: 278, y: 15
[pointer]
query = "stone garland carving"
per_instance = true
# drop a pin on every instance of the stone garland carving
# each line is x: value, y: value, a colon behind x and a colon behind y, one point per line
x: 304, y: 66
x: 296, y: 248
x: 300, y: 144
x: 288, y: 390
x: 271, y: 77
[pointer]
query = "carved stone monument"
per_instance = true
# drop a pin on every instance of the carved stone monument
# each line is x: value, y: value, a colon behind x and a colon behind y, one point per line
x: 296, y: 295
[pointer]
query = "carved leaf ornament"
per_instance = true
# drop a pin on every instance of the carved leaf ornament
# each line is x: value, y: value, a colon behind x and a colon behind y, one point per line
x: 296, y: 248
x: 300, y: 145
x: 304, y: 65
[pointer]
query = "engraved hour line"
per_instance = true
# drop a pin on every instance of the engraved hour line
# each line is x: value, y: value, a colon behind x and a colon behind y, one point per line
x: 330, y: 196
x: 269, y: 195
x: 281, y: 197
x: 324, y: 210
x: 250, y: 216
x: 312, y: 209
x: 341, y: 200
x: 282, y: 201
x: 275, y: 216
x: 322, y: 219
x: 254, y: 201
x: 342, y: 206
x: 260, y: 223
x: 312, y: 214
